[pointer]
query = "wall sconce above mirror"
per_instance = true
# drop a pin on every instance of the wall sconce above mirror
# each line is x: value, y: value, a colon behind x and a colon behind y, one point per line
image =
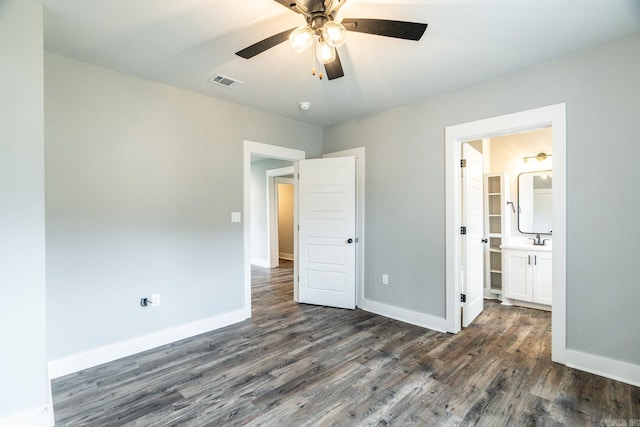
x: 535, y: 208
x: 541, y: 157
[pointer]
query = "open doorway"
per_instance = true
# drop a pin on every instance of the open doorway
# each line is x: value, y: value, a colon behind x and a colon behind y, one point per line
x: 281, y: 215
x: 316, y: 177
x: 285, y: 217
x: 261, y: 152
x: 507, y: 249
x: 264, y: 208
x: 552, y: 116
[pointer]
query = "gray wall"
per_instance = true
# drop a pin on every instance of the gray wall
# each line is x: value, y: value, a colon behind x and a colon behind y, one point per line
x: 23, y: 363
x: 405, y: 211
x: 141, y: 179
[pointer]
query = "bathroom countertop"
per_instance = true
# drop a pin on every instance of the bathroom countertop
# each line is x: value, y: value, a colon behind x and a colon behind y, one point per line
x: 527, y: 247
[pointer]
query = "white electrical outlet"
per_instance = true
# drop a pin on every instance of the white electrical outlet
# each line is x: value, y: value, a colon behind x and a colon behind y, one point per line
x: 385, y: 279
x: 236, y: 217
x: 155, y: 300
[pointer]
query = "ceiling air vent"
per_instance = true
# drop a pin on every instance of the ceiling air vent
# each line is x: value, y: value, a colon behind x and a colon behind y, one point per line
x: 225, y: 81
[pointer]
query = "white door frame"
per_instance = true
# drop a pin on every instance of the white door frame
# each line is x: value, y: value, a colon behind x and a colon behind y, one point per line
x: 276, y: 152
x: 554, y: 116
x: 358, y: 153
x: 272, y: 213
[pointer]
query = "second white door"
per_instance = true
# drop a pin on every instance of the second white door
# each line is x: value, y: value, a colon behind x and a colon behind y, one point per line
x: 327, y: 235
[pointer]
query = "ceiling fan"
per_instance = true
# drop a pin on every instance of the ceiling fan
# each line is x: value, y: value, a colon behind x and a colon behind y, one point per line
x: 326, y: 31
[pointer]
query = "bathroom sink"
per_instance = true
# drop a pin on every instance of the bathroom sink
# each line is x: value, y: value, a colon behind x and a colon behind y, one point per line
x: 526, y: 244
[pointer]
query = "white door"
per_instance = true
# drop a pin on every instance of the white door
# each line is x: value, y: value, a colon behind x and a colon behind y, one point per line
x: 327, y: 220
x: 472, y: 246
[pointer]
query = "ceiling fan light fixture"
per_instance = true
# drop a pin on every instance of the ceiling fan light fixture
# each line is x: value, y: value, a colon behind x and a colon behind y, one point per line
x: 301, y: 38
x: 325, y: 52
x: 334, y: 33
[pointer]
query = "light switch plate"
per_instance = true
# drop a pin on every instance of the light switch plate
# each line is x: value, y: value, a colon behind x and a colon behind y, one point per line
x: 236, y: 217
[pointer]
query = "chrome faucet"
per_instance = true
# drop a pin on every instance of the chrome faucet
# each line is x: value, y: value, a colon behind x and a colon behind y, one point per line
x: 537, y: 241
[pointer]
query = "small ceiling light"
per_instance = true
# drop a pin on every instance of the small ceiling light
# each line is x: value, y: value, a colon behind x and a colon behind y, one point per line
x: 325, y: 52
x: 305, y: 105
x: 301, y: 38
x: 334, y: 33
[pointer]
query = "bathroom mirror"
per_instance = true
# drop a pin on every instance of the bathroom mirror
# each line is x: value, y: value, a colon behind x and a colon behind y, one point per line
x: 535, y: 208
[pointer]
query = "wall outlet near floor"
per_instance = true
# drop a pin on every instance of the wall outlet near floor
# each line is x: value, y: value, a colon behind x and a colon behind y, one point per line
x: 155, y: 300
x: 385, y: 279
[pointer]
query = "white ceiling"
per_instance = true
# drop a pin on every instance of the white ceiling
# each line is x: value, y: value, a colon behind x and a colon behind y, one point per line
x: 184, y: 42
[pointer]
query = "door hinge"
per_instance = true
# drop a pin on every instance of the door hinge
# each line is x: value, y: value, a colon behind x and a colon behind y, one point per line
x: 463, y: 163
x: 463, y: 297
x: 463, y: 230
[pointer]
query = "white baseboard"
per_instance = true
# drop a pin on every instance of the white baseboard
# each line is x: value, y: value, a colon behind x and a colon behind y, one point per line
x: 41, y: 416
x: 286, y: 256
x: 260, y: 262
x: 405, y: 315
x: 98, y: 356
x: 605, y: 367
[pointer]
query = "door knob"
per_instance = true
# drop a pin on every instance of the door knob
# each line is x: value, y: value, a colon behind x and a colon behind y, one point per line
x: 349, y: 241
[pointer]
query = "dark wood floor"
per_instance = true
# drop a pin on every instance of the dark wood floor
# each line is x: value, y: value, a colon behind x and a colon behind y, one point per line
x: 293, y: 365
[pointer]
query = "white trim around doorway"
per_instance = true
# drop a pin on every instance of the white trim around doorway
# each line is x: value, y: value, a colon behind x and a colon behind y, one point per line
x: 555, y: 117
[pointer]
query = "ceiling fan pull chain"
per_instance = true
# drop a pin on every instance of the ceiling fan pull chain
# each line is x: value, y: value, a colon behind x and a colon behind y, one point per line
x: 314, y: 58
x: 313, y: 61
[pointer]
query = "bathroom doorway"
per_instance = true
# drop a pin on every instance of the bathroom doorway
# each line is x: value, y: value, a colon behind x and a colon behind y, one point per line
x: 553, y: 117
x: 506, y: 244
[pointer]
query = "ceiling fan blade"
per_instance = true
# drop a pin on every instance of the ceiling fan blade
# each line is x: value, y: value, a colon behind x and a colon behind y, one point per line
x: 261, y: 46
x: 334, y: 68
x: 383, y: 27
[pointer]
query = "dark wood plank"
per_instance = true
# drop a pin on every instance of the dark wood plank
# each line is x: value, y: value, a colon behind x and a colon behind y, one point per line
x: 295, y: 364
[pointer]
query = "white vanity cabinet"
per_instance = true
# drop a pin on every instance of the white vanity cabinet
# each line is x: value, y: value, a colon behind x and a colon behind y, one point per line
x: 527, y: 274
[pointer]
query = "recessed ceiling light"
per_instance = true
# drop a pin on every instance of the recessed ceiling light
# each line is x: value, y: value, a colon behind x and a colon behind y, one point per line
x: 305, y: 105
